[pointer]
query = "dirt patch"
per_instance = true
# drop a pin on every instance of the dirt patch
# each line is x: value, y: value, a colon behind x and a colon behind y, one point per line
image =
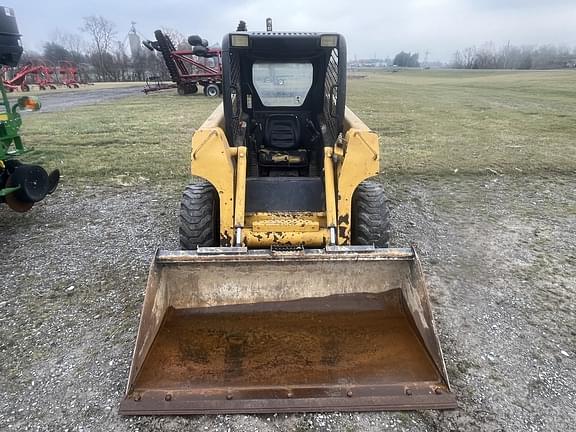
x: 499, y: 253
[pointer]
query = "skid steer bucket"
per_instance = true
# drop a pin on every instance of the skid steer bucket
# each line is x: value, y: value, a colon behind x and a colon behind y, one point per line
x: 266, y: 331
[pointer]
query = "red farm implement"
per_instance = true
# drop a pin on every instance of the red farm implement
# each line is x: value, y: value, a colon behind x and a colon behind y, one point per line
x: 189, y: 68
x: 18, y: 79
x: 68, y: 74
x: 44, y: 77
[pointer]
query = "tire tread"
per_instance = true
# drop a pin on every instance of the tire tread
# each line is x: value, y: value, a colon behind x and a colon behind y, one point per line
x: 370, y: 215
x: 197, y: 216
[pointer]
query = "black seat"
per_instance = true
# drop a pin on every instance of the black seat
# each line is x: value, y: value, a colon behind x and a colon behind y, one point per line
x: 282, y: 131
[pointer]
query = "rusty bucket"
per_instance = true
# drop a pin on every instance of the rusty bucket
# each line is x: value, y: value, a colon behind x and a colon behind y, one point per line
x: 295, y: 331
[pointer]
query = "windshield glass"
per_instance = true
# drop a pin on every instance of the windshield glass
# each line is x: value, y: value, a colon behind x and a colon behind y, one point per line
x: 282, y: 84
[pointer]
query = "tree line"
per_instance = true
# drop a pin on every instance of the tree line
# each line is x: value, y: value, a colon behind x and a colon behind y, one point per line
x: 488, y: 56
x: 98, y: 53
x: 101, y: 56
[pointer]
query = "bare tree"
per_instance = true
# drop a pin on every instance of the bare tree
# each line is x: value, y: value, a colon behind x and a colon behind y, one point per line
x: 506, y: 55
x: 102, y: 33
x: 469, y: 55
x: 73, y: 42
x: 458, y: 60
x: 485, y: 57
x: 488, y: 56
x: 121, y: 63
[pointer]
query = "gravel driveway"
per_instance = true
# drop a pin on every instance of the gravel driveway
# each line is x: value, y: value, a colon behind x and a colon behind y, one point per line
x: 499, y: 253
x: 64, y: 100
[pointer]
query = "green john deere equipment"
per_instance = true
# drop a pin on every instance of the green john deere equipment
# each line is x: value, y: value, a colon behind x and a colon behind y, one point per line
x: 21, y: 185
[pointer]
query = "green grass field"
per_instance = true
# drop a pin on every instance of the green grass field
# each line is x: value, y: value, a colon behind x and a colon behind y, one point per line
x: 432, y: 123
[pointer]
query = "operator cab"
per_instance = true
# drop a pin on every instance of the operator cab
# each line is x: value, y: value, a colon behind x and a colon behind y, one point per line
x: 284, y: 99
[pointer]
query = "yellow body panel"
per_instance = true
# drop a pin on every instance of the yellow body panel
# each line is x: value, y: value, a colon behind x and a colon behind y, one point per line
x: 329, y: 189
x: 352, y: 160
x: 319, y: 217
x: 213, y: 160
x: 361, y: 160
x: 240, y: 205
x: 264, y: 229
x: 259, y: 240
x: 286, y: 224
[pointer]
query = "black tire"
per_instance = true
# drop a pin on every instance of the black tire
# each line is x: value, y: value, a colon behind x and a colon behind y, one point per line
x: 199, y: 217
x: 194, y: 40
x: 187, y: 89
x: 370, y: 215
x: 212, y: 90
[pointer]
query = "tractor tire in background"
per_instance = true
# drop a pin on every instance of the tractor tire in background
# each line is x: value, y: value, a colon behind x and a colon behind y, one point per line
x: 199, y: 217
x: 187, y: 89
x: 212, y: 90
x: 370, y: 215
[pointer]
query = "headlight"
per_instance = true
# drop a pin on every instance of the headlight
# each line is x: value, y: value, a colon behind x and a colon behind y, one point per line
x: 329, y: 41
x: 239, y: 40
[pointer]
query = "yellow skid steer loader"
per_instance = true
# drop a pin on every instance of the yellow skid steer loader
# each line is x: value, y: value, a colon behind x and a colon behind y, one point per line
x: 285, y: 296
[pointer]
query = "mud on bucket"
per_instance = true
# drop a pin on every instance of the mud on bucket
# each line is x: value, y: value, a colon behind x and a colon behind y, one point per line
x: 288, y: 332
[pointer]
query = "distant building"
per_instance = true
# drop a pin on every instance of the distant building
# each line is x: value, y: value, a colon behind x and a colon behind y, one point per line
x: 134, y: 41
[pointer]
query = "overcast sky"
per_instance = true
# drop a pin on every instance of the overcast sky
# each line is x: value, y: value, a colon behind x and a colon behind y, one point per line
x: 371, y: 27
